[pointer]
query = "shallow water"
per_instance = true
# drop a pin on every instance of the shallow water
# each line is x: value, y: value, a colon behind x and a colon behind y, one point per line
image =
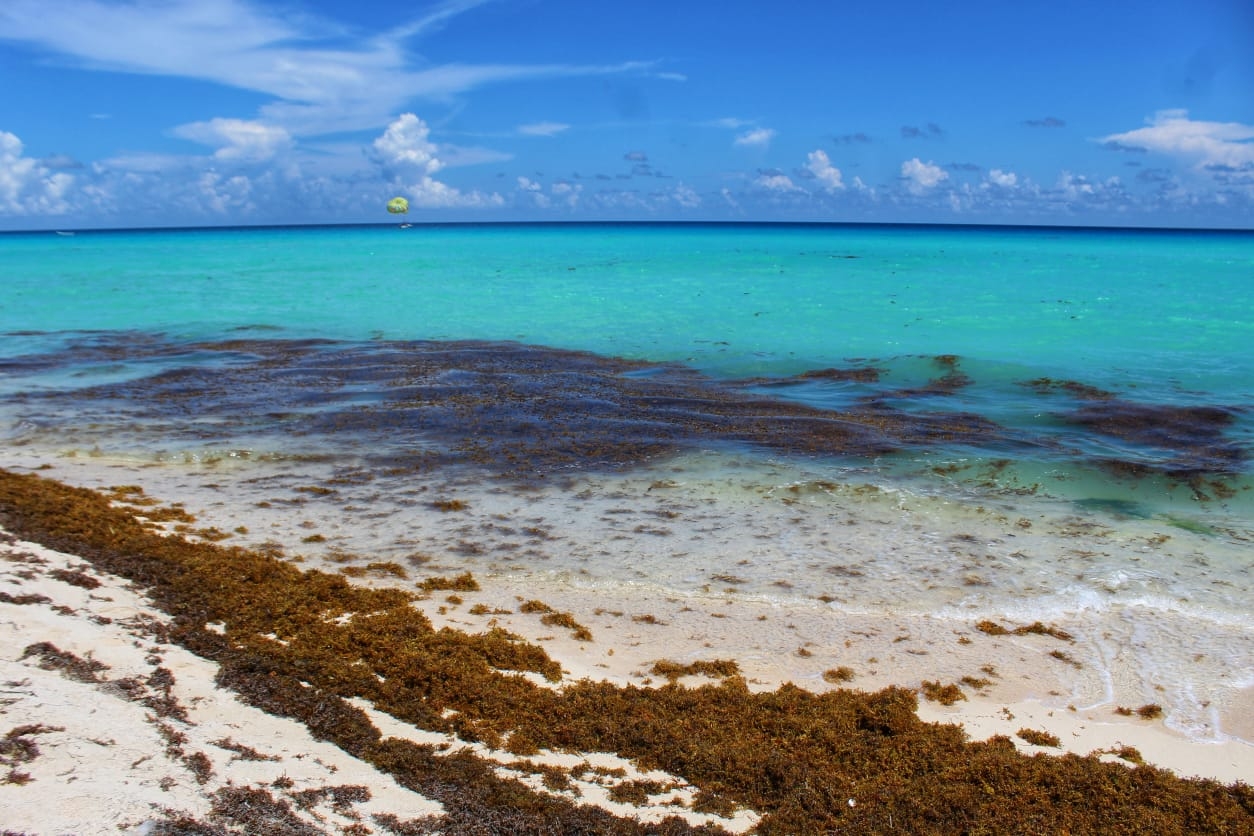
x: 1023, y: 425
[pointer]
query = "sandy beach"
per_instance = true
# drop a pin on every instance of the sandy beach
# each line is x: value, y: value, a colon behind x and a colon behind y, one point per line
x: 112, y: 726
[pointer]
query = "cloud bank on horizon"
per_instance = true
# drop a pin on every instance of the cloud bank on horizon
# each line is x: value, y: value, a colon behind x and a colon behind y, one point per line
x: 190, y: 112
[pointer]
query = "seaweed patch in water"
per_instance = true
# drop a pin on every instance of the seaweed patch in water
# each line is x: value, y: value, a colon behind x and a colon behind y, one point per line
x: 1192, y: 438
x: 794, y: 756
x: 520, y: 410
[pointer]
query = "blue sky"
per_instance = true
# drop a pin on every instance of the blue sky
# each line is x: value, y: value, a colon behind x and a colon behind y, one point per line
x: 120, y: 113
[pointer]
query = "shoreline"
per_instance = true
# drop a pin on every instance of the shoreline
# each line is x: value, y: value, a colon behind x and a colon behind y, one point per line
x: 97, y: 623
x: 789, y: 575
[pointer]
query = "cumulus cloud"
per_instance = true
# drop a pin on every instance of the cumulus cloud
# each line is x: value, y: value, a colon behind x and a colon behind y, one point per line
x: 921, y: 176
x: 406, y: 143
x: 238, y: 139
x: 1002, y: 179
x: 225, y: 195
x: 566, y: 193
x: 406, y: 152
x: 776, y: 182
x: 756, y: 138
x: 818, y: 164
x: 1076, y: 187
x: 28, y: 187
x: 543, y: 129
x: 1207, y: 144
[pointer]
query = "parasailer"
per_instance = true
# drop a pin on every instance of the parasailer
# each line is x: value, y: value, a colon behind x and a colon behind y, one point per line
x: 398, y: 206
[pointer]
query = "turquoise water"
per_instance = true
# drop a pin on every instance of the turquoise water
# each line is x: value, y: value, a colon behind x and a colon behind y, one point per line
x: 963, y: 423
x: 1154, y: 318
x: 1117, y: 308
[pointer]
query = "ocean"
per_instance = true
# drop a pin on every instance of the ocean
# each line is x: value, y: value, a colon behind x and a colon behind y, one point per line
x: 967, y: 423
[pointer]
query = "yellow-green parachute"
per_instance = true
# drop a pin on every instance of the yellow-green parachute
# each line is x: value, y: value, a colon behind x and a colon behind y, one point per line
x: 398, y: 206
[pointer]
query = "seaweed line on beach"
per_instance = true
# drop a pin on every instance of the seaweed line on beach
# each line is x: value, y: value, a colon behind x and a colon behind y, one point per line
x: 796, y: 757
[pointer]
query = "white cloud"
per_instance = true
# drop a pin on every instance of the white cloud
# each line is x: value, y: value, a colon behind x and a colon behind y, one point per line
x: 238, y: 139
x: 532, y: 193
x: 1208, y: 143
x: 756, y: 138
x: 776, y: 183
x: 1004, y: 179
x: 567, y: 193
x: 28, y: 187
x: 921, y: 176
x: 543, y: 129
x: 1077, y: 187
x: 405, y: 150
x: 428, y: 193
x: 322, y: 77
x: 140, y: 162
x: 406, y: 143
x: 225, y: 195
x: 686, y: 197
x: 456, y: 156
x: 821, y: 167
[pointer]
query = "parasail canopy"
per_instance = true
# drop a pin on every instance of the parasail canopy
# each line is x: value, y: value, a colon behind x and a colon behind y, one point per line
x: 398, y: 206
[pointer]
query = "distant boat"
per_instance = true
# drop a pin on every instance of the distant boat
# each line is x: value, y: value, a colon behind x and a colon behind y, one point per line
x: 65, y: 234
x: 406, y: 226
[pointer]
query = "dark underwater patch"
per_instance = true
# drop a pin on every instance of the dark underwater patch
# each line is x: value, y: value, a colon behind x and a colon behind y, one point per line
x: 524, y: 411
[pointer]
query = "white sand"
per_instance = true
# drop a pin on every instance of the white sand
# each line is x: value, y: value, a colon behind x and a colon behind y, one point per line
x: 107, y: 763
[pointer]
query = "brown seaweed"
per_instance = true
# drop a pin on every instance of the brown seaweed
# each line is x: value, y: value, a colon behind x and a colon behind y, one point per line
x: 797, y: 757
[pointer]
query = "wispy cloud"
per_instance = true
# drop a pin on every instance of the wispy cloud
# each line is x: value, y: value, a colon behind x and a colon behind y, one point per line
x: 543, y: 129
x: 322, y: 78
x: 1047, y: 122
x: 433, y: 19
x: 756, y: 138
x: 238, y: 139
